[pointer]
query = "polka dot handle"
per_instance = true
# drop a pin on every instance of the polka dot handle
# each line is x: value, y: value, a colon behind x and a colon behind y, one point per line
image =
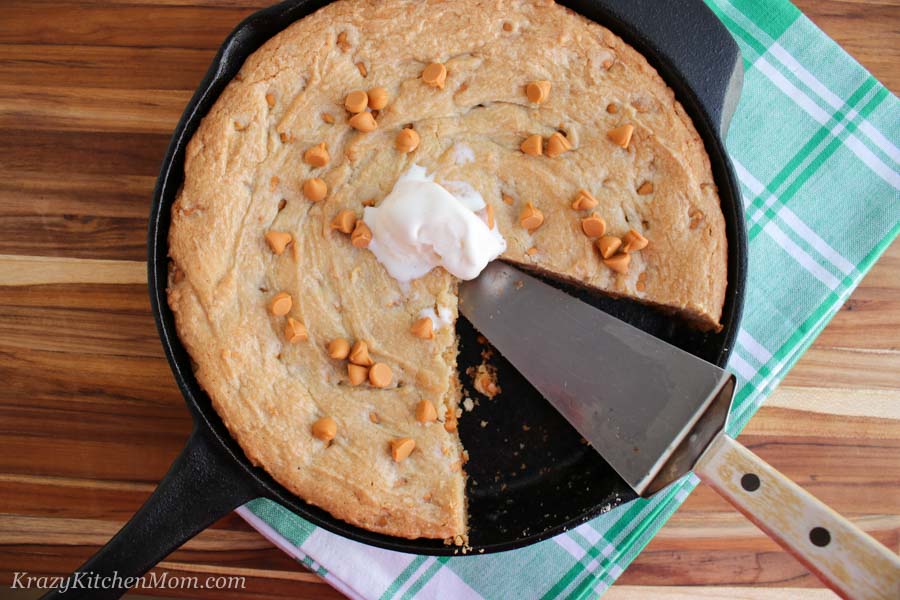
x: 844, y: 557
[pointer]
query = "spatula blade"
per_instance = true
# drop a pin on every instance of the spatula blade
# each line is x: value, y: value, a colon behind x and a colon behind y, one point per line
x: 649, y: 408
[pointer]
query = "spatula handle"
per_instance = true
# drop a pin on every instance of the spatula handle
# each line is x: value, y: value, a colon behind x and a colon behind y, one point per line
x: 845, y: 558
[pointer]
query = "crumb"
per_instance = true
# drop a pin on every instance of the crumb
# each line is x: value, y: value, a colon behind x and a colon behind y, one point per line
x: 468, y: 404
x: 484, y: 424
x: 525, y: 427
x: 519, y: 284
x: 484, y: 377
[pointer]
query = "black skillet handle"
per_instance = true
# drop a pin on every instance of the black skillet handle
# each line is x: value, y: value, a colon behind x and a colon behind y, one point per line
x: 202, y: 485
x: 700, y: 59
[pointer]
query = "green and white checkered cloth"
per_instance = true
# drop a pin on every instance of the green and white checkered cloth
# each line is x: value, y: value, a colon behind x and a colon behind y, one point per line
x: 814, y: 144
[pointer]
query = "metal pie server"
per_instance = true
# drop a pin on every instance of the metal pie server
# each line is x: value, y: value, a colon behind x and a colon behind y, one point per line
x: 655, y: 412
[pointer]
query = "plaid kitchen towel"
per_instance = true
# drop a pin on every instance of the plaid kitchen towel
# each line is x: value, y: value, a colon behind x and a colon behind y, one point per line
x: 814, y: 144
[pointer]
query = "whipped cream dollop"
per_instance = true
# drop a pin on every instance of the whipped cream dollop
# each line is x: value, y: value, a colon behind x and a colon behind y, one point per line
x: 421, y: 225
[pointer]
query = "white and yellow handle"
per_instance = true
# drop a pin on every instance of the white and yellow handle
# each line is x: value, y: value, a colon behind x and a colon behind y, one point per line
x: 844, y: 557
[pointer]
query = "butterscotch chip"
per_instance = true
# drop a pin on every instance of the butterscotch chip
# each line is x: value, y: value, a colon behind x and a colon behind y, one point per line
x: 435, y: 75
x: 593, y: 226
x: 315, y: 189
x: 356, y: 101
x: 507, y: 199
x: 696, y: 217
x: 584, y: 200
x: 426, y: 412
x: 531, y: 251
x: 633, y: 241
x: 537, y: 91
x: 423, y: 328
x: 357, y: 373
x: 507, y: 26
x: 621, y: 136
x: 489, y: 210
x: 270, y: 100
x: 343, y: 42
x: 295, y: 331
x: 612, y: 108
x: 281, y: 304
x: 362, y: 69
x: 618, y: 263
x: 407, y: 140
x: 646, y: 189
x: 339, y: 348
x: 380, y: 375
x: 361, y: 235
x: 378, y: 98
x: 450, y: 421
x: 324, y: 429
x: 373, y: 416
x: 531, y: 218
x: 317, y: 156
x: 608, y: 245
x: 363, y: 122
x: 285, y: 137
x: 359, y: 354
x: 533, y: 145
x: 328, y: 118
x: 344, y: 221
x: 557, y: 144
x: 401, y: 448
x: 278, y: 241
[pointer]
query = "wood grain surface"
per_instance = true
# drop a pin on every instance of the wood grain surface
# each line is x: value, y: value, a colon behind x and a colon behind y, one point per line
x: 90, y: 417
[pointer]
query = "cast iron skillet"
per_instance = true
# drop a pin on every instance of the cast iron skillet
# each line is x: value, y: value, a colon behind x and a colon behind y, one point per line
x: 530, y: 476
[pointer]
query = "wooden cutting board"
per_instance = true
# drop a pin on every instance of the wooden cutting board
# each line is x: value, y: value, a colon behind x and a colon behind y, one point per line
x: 90, y: 417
